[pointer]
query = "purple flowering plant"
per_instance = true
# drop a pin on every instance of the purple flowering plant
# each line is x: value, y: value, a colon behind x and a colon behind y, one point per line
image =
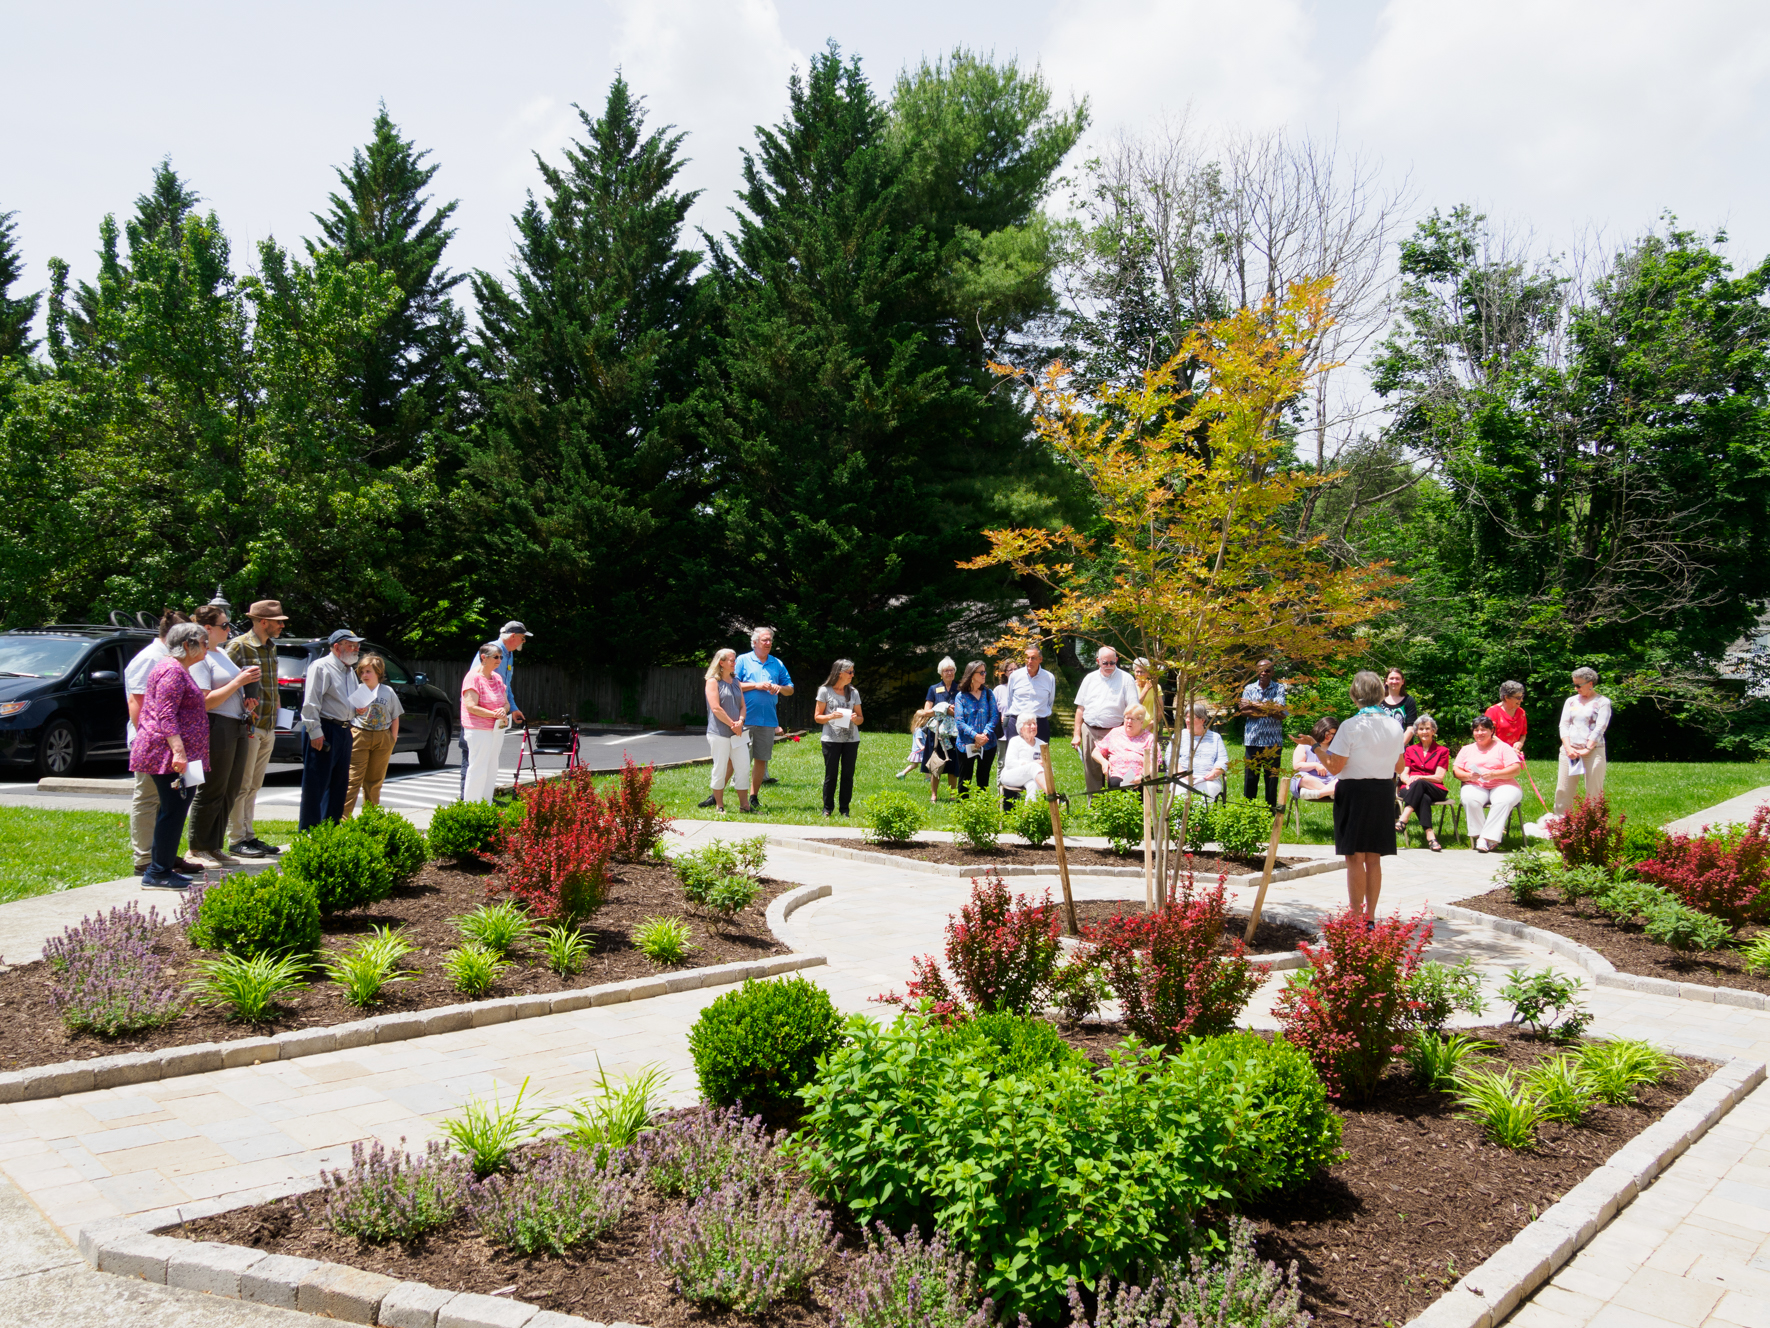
x: 911, y: 1281
x: 560, y: 1198
x: 704, y: 1148
x: 744, y: 1249
x: 391, y: 1195
x: 107, y: 978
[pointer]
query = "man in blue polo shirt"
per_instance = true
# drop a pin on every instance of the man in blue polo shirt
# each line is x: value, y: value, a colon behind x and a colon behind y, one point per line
x: 763, y: 678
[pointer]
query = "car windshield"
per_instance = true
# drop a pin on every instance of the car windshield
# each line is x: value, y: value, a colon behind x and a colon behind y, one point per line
x: 39, y: 657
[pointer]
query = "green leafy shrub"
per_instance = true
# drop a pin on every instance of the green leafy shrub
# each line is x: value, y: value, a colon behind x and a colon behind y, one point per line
x: 463, y: 829
x: 1198, y: 830
x: 1626, y: 900
x: 1548, y: 1002
x: 345, y: 867
x: 1032, y: 821
x: 1526, y: 873
x: 1118, y: 814
x: 979, y: 822
x: 473, y: 968
x: 1686, y: 929
x: 663, y: 940
x: 248, y: 987
x: 1010, y: 1043
x: 1078, y: 988
x: 1242, y: 829
x: 892, y: 817
x: 718, y: 877
x: 1640, y: 842
x: 1440, y: 991
x: 500, y: 927
x: 263, y: 913
x: 1586, y: 882
x: 759, y: 1045
x: 402, y: 843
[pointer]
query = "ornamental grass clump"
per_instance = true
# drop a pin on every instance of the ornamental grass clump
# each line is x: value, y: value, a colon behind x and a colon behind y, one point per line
x: 106, y: 978
x: 369, y: 963
x: 704, y: 1149
x: 744, y: 1249
x: 1239, y: 1291
x: 390, y: 1196
x: 559, y: 1199
x: 910, y: 1283
x: 1166, y: 971
x: 248, y: 987
x: 488, y: 1134
x: 1002, y: 951
x: 500, y: 927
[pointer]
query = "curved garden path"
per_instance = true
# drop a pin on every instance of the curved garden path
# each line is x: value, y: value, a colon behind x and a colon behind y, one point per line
x: 1692, y: 1251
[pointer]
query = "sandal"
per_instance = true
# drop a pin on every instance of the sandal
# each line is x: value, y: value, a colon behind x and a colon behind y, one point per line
x: 1433, y: 844
x: 1400, y: 826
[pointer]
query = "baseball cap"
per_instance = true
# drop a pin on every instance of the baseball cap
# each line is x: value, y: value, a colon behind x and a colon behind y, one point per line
x: 342, y: 634
x: 514, y: 628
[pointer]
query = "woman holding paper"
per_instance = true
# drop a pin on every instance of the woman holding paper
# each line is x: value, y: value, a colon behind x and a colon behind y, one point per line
x: 838, y: 710
x: 978, y: 718
x: 1584, y: 720
x: 230, y: 728
x: 171, y: 745
x: 485, y: 716
x: 376, y: 733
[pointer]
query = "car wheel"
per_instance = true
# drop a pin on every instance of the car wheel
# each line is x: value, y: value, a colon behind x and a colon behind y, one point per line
x: 58, y: 750
x: 435, y: 753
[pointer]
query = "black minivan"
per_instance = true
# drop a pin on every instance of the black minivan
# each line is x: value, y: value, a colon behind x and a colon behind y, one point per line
x: 61, y: 695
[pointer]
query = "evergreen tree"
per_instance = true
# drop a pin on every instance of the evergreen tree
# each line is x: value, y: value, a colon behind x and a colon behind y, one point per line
x: 581, y: 475
x: 403, y: 373
x: 160, y: 214
x: 16, y: 342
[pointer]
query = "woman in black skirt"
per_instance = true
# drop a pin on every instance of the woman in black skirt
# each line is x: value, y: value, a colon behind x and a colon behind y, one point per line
x: 1366, y: 755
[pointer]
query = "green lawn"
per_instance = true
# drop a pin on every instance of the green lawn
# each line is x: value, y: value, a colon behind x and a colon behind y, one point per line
x: 1644, y: 791
x: 42, y: 851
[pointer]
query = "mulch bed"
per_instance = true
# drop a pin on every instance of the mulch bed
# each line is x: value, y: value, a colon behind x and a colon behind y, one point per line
x: 1623, y: 944
x: 31, y: 1033
x: 1270, y: 937
x: 1421, y: 1199
x: 1204, y: 865
x: 1422, y: 1196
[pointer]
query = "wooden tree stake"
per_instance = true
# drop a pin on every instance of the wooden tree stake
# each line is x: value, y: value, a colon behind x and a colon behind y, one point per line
x: 1148, y: 831
x: 1284, y: 790
x: 1070, y: 928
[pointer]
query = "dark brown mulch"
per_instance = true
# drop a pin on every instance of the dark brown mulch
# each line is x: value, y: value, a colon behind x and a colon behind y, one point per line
x: 31, y: 1033
x: 1623, y: 944
x: 1422, y: 1196
x: 1204, y: 865
x: 1269, y: 938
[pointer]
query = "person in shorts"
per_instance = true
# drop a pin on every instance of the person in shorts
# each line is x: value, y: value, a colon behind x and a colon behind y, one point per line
x: 764, y: 680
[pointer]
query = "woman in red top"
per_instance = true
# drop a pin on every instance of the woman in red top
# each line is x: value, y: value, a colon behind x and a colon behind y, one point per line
x: 1509, y: 722
x: 1422, y: 778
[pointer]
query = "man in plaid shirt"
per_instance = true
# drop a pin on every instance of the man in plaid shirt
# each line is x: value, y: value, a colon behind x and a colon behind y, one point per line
x: 1262, y: 708
x: 258, y: 646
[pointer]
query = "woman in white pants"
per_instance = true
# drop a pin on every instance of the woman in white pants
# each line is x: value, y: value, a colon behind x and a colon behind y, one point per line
x: 1022, y: 767
x: 1584, y: 719
x: 1488, y: 769
x: 485, y: 717
x: 725, y: 730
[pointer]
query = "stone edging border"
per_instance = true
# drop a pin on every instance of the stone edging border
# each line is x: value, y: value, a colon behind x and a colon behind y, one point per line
x: 45, y: 1081
x: 1604, y: 973
x: 1315, y: 868
x: 1487, y: 1294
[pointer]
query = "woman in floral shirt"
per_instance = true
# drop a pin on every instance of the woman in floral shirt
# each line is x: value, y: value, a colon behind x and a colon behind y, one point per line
x: 173, y: 731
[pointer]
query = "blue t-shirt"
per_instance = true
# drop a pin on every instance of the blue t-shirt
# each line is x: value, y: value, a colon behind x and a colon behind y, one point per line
x: 759, y: 706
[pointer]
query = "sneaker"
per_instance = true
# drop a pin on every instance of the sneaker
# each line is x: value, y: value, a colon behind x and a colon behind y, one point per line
x: 246, y: 850
x: 771, y: 780
x: 268, y: 850
x: 828, y: 813
x: 206, y: 860
x: 707, y: 802
x: 169, y: 882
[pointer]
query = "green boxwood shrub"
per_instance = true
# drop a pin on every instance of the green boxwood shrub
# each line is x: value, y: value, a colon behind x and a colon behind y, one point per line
x: 759, y: 1045
x: 1032, y: 819
x: 1242, y: 829
x: 262, y: 913
x: 1118, y: 814
x: 978, y: 821
x: 402, y: 843
x: 464, y: 828
x: 891, y: 817
x: 345, y: 867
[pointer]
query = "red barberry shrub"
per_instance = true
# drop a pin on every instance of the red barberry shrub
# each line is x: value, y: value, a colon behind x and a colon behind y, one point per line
x: 1586, y: 836
x: 555, y: 860
x: 1350, y: 1013
x: 1718, y: 872
x: 1001, y: 949
x: 640, y: 822
x: 1166, y: 971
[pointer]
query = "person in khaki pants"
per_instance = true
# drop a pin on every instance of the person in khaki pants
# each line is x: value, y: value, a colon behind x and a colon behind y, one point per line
x: 377, y: 729
x: 258, y: 646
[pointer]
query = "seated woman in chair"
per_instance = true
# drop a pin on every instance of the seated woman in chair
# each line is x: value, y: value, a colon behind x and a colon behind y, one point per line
x: 1021, y: 766
x: 1422, y: 778
x: 1123, y: 753
x: 1489, y: 771
x: 1311, y: 780
x: 1204, y: 760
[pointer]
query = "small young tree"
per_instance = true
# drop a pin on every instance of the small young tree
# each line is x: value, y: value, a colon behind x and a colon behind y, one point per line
x: 1192, y: 563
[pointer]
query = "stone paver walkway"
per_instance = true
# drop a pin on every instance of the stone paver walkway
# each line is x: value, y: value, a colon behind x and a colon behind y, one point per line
x: 149, y: 1146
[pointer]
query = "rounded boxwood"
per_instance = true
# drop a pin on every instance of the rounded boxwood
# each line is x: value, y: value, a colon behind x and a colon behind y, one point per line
x: 759, y: 1045
x: 402, y: 843
x: 252, y: 914
x: 464, y: 828
x: 346, y: 868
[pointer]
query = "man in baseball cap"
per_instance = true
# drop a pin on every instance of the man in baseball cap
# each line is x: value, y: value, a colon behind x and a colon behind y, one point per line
x: 513, y: 636
x: 258, y: 646
x: 326, y: 713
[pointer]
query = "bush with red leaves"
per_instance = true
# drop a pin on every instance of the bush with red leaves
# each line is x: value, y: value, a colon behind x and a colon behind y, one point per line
x: 1585, y: 835
x: 555, y: 860
x: 1351, y: 1013
x: 1002, y: 951
x: 1165, y: 970
x: 1717, y: 872
x: 640, y: 822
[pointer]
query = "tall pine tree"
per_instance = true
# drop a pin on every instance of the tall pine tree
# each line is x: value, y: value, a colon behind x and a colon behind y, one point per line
x: 160, y: 215
x: 580, y: 471
x: 16, y: 315
x: 404, y: 373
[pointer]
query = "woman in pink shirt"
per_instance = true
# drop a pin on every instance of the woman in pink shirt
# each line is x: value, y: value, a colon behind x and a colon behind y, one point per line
x: 1488, y: 769
x: 173, y: 731
x: 485, y: 716
x: 1121, y: 753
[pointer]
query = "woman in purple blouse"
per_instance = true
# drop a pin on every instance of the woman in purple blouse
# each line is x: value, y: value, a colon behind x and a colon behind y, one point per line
x: 173, y: 731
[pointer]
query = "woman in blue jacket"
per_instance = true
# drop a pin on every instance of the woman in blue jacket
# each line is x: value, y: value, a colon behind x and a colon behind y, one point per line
x: 975, y: 709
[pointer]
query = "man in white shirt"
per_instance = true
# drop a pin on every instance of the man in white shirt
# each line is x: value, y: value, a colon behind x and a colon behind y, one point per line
x: 1101, y: 702
x: 1032, y: 691
x: 1204, y: 757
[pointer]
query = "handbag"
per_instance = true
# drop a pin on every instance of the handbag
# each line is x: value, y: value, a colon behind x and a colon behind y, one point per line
x: 940, y: 760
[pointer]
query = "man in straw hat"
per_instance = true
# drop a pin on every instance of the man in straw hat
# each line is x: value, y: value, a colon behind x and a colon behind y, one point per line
x: 258, y: 646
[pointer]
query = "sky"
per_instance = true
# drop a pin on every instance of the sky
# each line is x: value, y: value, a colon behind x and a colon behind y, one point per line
x: 1569, y: 119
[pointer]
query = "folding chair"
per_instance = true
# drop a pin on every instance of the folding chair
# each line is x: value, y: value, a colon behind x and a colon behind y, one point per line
x: 1457, y: 827
x: 1293, y: 812
x: 547, y: 740
x: 1441, y: 812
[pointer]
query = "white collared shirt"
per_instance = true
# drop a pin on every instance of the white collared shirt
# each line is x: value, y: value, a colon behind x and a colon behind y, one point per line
x: 1103, y: 698
x: 1031, y: 694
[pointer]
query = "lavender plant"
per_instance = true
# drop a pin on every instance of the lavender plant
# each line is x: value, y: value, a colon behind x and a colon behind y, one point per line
x: 744, y: 1249
x: 910, y: 1283
x: 107, y: 978
x: 560, y: 1199
x: 390, y: 1196
x: 190, y: 904
x: 708, y: 1148
x: 1240, y: 1291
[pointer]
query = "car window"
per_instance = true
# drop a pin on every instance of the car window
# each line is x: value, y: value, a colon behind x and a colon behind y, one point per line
x: 396, y: 672
x: 38, y: 657
x: 106, y: 658
x: 292, y: 666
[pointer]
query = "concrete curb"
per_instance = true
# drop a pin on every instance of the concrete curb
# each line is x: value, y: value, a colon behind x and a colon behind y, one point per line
x: 1487, y: 1294
x: 1249, y: 881
x: 1604, y: 973
x: 46, y: 1081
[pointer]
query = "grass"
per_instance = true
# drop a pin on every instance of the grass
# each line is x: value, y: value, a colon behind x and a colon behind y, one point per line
x: 1650, y: 791
x: 43, y: 851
